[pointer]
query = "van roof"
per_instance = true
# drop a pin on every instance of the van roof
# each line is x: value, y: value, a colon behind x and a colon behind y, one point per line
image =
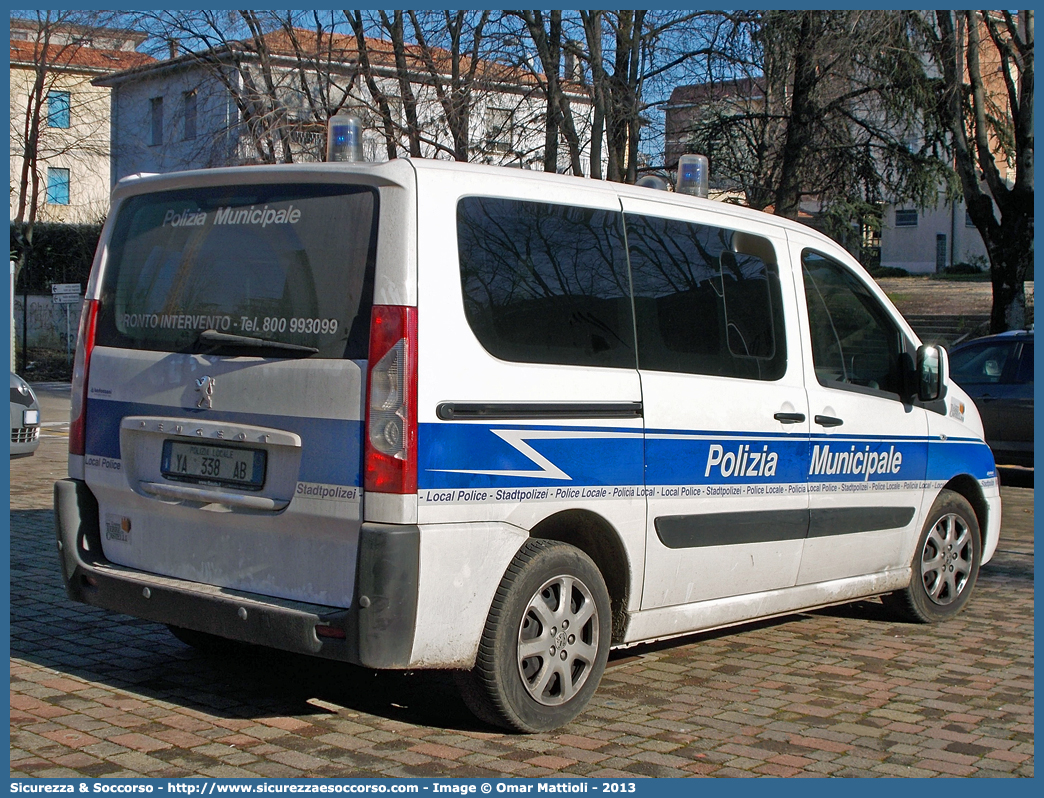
x: 620, y: 189
x: 401, y: 169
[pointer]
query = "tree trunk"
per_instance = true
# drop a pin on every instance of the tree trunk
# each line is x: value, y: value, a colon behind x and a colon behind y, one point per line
x: 402, y: 70
x: 799, y: 125
x: 455, y: 95
x: 390, y: 134
x: 593, y: 34
x: 1010, y: 261
x: 548, y: 43
x: 1002, y: 214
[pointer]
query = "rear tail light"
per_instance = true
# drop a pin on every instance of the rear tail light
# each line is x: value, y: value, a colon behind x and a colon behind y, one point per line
x: 331, y: 632
x: 81, y: 366
x: 391, y: 401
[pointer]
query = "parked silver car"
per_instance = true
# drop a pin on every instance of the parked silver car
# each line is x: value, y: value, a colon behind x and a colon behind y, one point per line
x: 25, y: 418
x: 997, y: 372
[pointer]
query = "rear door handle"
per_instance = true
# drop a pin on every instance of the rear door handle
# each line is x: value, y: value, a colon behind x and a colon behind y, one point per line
x: 789, y: 418
x: 828, y: 421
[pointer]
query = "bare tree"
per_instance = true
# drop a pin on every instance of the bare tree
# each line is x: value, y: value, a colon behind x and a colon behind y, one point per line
x: 374, y: 68
x: 438, y: 61
x: 635, y: 58
x: 286, y: 73
x: 621, y: 92
x: 592, y: 23
x: 451, y: 48
x: 986, y: 109
x: 546, y: 36
x: 416, y: 76
x: 618, y: 61
x: 60, y: 121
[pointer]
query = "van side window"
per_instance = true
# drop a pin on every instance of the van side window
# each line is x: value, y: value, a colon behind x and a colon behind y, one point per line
x: 702, y: 304
x: 545, y: 283
x: 855, y: 342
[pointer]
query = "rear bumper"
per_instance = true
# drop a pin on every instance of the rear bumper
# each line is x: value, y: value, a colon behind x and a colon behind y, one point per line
x: 378, y: 627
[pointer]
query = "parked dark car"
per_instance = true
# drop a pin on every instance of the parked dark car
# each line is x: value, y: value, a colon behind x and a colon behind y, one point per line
x: 25, y: 418
x: 997, y: 372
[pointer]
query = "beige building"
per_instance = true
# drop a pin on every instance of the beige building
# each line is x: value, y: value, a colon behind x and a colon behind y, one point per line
x: 932, y: 239
x: 53, y: 97
x: 929, y: 240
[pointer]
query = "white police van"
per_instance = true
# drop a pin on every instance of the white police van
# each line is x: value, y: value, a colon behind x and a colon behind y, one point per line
x: 423, y: 414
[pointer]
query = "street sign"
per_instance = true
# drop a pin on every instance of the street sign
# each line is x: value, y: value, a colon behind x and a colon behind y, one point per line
x: 65, y: 299
x: 65, y: 288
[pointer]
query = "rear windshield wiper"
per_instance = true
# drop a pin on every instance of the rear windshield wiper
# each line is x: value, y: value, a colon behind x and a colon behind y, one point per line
x: 220, y: 339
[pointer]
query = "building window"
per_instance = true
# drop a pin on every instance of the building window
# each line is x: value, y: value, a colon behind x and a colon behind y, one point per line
x: 58, y: 109
x: 190, y: 115
x: 905, y: 218
x: 940, y: 252
x: 156, y: 111
x: 58, y: 186
x: 498, y: 129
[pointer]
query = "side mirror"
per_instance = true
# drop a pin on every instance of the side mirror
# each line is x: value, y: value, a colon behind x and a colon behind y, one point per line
x: 931, y: 372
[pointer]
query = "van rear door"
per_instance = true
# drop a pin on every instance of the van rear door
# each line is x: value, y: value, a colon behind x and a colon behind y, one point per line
x: 225, y: 395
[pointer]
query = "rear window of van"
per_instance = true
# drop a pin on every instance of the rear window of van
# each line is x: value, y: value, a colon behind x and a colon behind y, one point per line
x: 291, y: 264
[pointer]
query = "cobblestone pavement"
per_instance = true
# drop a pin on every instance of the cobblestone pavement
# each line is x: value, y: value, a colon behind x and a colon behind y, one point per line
x: 842, y: 692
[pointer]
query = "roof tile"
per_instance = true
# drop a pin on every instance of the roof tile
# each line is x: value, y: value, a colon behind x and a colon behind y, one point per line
x: 72, y: 56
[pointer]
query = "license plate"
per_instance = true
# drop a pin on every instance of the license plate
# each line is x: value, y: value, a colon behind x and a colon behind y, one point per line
x: 213, y: 465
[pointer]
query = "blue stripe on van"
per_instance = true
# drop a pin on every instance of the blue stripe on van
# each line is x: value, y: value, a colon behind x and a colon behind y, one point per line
x: 477, y: 456
x: 947, y: 459
x: 471, y: 455
x: 331, y: 448
x: 747, y: 459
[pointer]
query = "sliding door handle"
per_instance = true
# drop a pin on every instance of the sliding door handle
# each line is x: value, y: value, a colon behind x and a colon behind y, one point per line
x: 789, y: 418
x: 828, y: 421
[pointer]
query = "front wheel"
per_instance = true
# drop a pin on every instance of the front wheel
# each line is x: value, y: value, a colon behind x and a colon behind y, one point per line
x: 945, y: 563
x: 545, y: 643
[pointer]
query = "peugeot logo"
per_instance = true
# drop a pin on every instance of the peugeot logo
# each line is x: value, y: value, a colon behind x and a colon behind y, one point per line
x: 205, y: 387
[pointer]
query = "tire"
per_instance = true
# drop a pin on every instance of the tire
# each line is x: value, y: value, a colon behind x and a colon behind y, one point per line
x: 945, y: 563
x: 541, y: 658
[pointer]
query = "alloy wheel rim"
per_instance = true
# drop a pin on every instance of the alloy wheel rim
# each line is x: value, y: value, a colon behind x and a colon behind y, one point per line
x: 558, y: 640
x: 946, y: 559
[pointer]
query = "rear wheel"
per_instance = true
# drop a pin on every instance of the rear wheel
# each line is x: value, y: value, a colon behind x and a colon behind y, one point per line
x: 545, y: 643
x: 945, y: 563
x: 204, y: 641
